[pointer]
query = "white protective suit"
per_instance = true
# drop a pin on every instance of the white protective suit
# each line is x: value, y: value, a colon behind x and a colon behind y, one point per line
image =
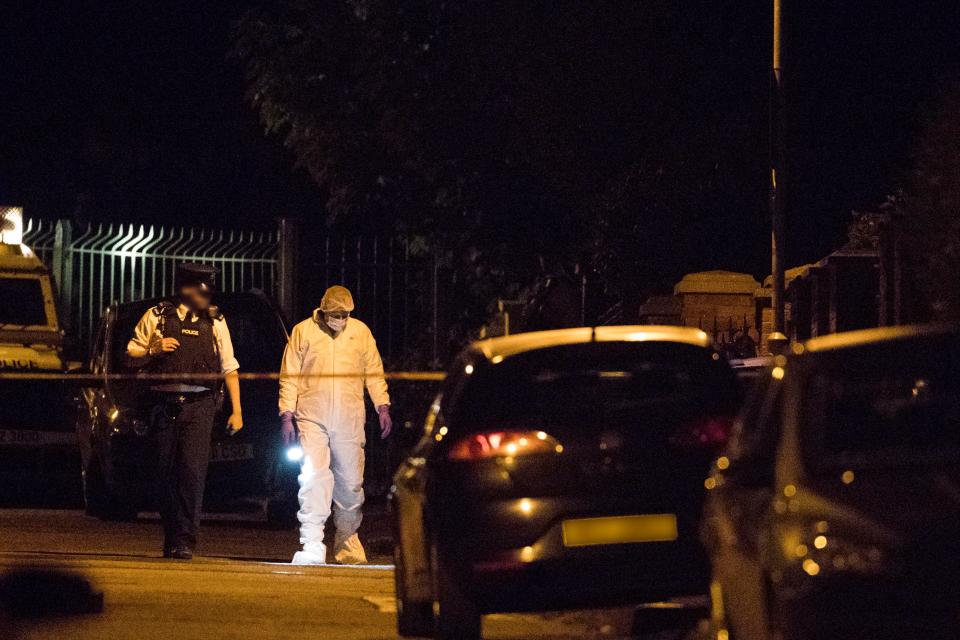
x: 330, y: 417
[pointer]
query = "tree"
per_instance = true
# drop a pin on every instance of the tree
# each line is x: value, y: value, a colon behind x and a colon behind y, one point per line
x: 521, y: 134
x: 929, y: 210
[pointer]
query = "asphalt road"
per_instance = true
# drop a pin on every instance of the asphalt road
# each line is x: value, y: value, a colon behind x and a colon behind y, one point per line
x: 239, y: 587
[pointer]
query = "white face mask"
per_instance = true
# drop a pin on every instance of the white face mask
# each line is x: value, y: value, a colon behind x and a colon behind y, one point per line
x: 336, y: 324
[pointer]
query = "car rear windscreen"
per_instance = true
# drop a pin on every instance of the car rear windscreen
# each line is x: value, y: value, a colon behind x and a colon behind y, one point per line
x: 592, y: 383
x: 887, y: 404
x: 23, y: 305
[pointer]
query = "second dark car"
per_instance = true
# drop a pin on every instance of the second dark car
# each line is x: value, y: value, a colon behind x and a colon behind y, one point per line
x: 835, y: 511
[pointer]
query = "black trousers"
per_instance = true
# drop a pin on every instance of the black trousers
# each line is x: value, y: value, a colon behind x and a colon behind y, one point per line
x: 183, y: 444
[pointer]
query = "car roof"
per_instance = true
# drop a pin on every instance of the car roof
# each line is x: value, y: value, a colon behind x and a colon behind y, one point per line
x: 519, y: 343
x: 865, y: 337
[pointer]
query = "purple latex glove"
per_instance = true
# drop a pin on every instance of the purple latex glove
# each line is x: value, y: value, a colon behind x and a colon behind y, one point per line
x: 287, y: 429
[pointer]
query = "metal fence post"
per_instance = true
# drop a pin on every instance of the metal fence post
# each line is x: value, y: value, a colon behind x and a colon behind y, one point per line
x: 286, y: 288
x: 63, y: 270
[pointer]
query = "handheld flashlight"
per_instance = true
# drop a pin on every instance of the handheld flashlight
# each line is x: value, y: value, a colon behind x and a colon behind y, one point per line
x: 295, y: 453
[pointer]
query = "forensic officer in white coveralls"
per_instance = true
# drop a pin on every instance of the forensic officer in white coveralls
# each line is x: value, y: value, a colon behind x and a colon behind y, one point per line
x: 328, y: 413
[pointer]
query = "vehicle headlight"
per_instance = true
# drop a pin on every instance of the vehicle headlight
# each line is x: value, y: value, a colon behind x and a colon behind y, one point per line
x: 127, y: 424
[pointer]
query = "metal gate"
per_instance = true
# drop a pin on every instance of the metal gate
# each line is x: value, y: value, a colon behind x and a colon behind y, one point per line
x: 101, y: 264
x: 402, y: 286
x: 394, y: 282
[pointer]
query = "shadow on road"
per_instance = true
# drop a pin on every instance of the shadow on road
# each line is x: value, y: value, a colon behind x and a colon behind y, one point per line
x: 29, y: 595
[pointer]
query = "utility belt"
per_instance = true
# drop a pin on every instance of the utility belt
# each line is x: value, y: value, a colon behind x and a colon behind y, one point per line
x: 169, y: 404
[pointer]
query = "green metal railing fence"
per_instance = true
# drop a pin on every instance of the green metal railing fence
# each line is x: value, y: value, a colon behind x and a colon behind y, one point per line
x: 99, y: 264
x: 399, y: 291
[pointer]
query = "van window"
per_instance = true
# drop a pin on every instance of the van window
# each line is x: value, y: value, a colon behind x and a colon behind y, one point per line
x: 28, y: 308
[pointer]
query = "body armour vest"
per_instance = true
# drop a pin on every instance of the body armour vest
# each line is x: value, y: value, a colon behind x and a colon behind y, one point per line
x: 197, y: 352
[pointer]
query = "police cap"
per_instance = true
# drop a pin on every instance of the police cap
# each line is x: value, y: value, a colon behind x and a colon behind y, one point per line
x: 196, y: 274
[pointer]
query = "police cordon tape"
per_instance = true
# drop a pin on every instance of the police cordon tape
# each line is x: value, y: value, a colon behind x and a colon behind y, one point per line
x: 420, y: 376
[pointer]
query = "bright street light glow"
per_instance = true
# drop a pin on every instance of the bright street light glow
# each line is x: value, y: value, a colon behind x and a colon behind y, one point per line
x: 11, y: 225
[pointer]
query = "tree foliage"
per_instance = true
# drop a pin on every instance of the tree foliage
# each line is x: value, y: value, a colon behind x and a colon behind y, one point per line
x: 929, y: 210
x: 527, y: 136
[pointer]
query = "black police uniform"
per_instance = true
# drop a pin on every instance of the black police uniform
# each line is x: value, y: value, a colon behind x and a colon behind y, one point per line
x: 183, y: 421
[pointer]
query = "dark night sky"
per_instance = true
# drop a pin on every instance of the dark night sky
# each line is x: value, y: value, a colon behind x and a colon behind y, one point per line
x: 136, y: 105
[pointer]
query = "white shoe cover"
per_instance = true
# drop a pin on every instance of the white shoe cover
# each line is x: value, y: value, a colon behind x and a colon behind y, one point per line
x: 350, y: 551
x: 312, y: 556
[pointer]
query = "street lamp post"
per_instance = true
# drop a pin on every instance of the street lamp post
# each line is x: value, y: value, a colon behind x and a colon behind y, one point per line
x: 777, y: 172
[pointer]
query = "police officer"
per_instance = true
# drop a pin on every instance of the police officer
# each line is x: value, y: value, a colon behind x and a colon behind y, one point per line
x: 182, y: 336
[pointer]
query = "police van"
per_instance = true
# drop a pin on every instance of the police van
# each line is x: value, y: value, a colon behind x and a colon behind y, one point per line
x: 34, y: 423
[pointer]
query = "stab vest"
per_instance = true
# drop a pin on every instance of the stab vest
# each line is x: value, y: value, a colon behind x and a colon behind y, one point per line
x: 197, y: 352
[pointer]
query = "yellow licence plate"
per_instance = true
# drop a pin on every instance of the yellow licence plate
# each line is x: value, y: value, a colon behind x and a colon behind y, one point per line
x: 660, y: 527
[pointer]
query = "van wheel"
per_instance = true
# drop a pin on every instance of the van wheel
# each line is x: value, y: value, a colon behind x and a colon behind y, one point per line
x: 456, y: 616
x: 413, y: 618
x: 97, y: 499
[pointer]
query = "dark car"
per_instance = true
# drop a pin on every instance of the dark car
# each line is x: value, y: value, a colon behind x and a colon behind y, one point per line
x: 560, y: 469
x: 835, y: 511
x: 249, y: 471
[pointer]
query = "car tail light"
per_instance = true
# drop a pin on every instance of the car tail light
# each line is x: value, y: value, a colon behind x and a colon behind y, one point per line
x: 705, y: 431
x: 494, y: 444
